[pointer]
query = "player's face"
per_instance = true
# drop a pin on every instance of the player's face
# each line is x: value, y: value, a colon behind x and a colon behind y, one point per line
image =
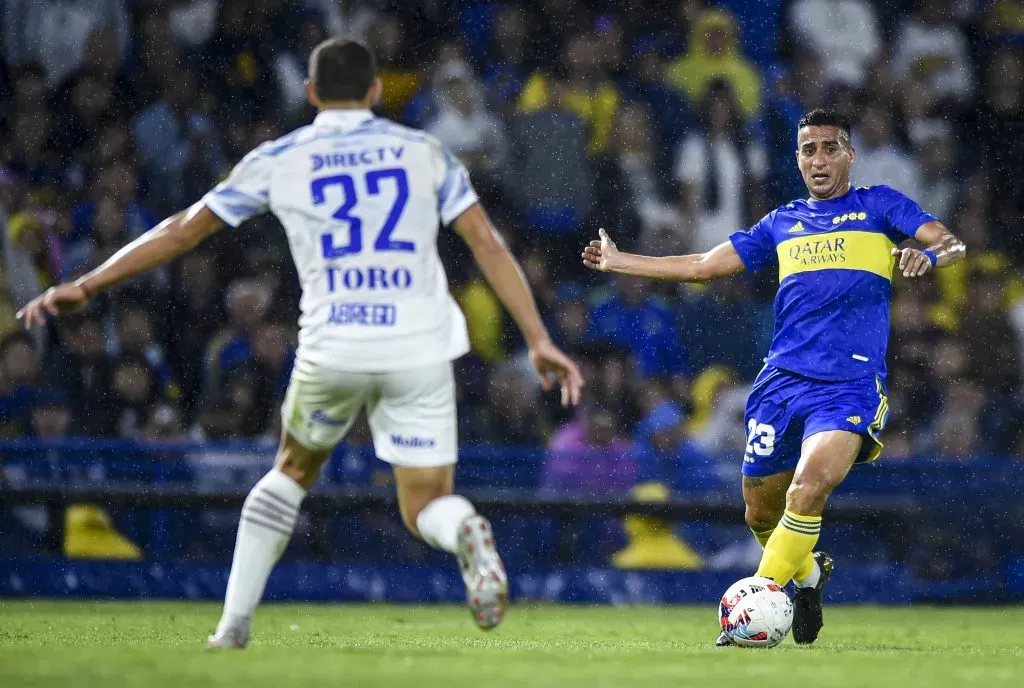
x: 824, y: 155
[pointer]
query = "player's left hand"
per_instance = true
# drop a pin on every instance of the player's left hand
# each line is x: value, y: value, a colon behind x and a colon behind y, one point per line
x: 549, y: 361
x: 913, y: 262
x: 64, y: 298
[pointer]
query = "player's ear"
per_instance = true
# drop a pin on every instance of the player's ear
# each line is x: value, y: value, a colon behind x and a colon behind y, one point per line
x: 311, y: 95
x: 375, y: 92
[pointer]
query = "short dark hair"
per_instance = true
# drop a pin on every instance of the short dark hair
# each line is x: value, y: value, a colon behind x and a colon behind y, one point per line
x: 342, y: 69
x: 825, y: 118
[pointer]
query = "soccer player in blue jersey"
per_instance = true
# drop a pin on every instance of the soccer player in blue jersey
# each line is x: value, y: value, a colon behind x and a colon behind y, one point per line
x: 819, y: 405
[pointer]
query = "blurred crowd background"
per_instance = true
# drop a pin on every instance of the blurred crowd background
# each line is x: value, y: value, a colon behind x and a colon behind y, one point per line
x: 671, y: 124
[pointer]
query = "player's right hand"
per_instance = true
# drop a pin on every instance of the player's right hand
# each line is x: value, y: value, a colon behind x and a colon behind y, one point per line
x: 601, y: 255
x: 549, y: 361
x: 64, y: 298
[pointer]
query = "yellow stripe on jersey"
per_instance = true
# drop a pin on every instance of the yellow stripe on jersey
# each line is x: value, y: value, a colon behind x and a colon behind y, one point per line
x: 852, y: 250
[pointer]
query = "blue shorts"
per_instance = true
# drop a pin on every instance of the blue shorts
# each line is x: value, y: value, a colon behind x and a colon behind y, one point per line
x: 784, y: 409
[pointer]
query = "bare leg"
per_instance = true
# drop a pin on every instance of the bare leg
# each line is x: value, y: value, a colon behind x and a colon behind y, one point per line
x: 449, y: 522
x: 765, y: 501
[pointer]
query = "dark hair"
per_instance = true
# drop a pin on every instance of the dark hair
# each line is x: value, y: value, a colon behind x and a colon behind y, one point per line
x: 342, y: 69
x: 720, y: 89
x: 820, y: 117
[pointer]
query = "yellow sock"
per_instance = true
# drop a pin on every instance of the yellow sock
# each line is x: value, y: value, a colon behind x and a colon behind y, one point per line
x: 803, y: 571
x: 789, y: 548
x: 762, y: 535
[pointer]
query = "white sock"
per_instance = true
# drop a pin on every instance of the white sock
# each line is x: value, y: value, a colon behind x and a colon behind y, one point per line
x: 439, y: 521
x: 812, y: 579
x: 267, y: 521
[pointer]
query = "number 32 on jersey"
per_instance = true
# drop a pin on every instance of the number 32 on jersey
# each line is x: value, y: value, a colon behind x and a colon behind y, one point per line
x: 374, y: 181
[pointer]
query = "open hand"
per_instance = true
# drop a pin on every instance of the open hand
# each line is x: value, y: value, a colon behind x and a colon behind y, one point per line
x: 64, y: 298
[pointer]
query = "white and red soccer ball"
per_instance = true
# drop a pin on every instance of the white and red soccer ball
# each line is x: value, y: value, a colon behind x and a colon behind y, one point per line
x: 756, y: 612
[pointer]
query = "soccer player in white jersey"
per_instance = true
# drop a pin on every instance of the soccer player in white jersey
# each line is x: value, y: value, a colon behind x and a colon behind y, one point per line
x: 360, y: 199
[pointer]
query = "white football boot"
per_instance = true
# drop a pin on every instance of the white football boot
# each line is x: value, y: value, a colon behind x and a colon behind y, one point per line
x: 483, y: 572
x: 229, y: 639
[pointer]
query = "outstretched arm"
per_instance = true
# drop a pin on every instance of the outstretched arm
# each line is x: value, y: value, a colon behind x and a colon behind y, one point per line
x: 721, y: 261
x: 942, y: 248
x: 162, y: 244
x: 504, y: 275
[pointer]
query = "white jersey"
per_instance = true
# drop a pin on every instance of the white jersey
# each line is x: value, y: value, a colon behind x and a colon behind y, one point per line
x: 360, y: 199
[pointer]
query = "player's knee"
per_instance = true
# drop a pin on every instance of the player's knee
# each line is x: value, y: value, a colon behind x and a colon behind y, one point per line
x: 808, y: 493
x: 302, y: 471
x: 300, y: 464
x: 760, y: 518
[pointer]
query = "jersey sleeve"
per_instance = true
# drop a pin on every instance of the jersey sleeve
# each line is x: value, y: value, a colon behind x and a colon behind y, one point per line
x: 756, y: 246
x: 902, y: 213
x: 455, y: 195
x: 246, y: 191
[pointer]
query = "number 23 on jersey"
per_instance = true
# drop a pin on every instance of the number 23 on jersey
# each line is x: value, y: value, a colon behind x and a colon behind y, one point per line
x: 760, y: 438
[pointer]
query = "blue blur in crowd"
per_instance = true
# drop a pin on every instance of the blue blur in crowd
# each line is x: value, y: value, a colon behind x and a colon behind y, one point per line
x: 642, y: 324
x: 665, y: 455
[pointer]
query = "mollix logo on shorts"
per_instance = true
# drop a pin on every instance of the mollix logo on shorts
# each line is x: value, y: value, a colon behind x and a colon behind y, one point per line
x: 413, y: 442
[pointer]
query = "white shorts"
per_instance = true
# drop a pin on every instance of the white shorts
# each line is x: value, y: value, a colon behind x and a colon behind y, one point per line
x: 411, y: 412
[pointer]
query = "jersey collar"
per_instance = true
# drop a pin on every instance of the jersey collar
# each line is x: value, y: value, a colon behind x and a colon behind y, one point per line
x: 815, y: 202
x: 342, y: 119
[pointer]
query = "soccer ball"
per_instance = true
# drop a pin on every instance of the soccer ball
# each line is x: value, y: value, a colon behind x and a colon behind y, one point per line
x: 755, y: 612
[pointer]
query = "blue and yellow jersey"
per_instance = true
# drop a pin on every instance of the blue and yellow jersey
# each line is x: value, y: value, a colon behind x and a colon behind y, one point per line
x: 835, y: 268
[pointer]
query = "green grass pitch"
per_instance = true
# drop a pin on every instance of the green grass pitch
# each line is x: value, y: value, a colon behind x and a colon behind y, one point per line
x: 158, y: 645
